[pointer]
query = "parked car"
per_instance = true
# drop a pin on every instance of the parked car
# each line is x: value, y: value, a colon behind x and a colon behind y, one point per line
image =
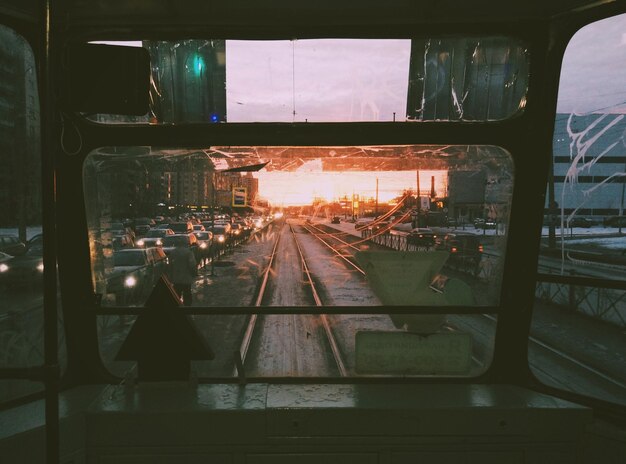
x: 335, y: 220
x: 379, y: 227
x: 615, y: 221
x: 25, y: 270
x: 480, y: 223
x: 580, y: 222
x: 362, y: 223
x: 154, y: 237
x: 421, y: 237
x: 465, y: 250
x: 12, y: 245
x: 135, y: 273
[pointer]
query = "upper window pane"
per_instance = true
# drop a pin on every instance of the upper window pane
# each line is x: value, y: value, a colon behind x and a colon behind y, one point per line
x: 334, y: 80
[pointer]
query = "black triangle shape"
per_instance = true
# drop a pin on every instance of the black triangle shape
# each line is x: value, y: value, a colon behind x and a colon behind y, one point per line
x: 163, y: 340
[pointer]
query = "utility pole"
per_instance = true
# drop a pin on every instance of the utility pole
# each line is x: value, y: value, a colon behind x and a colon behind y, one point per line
x: 418, y: 202
x: 376, y: 208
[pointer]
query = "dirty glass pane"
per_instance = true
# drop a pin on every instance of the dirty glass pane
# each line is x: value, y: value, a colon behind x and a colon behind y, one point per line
x: 581, y: 326
x: 467, y: 79
x: 447, y: 243
x: 333, y: 80
x: 307, y: 226
x: 330, y: 346
x: 21, y: 261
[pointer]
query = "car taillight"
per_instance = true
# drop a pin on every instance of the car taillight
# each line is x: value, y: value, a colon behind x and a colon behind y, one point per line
x: 453, y: 250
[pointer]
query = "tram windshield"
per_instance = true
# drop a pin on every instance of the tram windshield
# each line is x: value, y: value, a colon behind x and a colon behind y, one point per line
x: 352, y: 227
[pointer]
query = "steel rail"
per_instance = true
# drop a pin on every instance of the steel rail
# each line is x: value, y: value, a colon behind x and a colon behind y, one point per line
x: 355, y: 266
x: 247, y: 337
x: 318, y: 302
x: 569, y: 358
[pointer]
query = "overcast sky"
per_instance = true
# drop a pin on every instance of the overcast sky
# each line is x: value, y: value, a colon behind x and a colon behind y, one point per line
x: 593, y: 77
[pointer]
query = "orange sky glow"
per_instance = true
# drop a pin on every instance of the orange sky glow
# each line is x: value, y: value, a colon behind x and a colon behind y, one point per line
x: 301, y: 188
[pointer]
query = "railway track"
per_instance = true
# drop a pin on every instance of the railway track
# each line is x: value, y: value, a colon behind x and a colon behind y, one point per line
x: 255, y: 321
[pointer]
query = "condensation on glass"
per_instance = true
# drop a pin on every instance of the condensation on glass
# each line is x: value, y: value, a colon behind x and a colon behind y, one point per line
x: 21, y: 262
x: 334, y: 80
x: 584, y: 223
x: 349, y: 215
x: 289, y: 346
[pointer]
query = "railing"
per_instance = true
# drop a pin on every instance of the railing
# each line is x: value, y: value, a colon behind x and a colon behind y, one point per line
x: 599, y: 298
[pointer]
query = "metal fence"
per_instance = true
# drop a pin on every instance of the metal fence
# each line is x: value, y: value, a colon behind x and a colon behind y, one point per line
x: 607, y: 304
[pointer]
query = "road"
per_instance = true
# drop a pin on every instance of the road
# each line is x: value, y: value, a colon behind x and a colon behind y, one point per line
x: 568, y: 350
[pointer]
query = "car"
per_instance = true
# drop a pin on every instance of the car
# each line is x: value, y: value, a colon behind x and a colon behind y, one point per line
x: 184, y: 227
x: 236, y: 230
x: 12, y: 245
x: 154, y: 237
x: 4, y: 259
x: 143, y: 225
x: 25, y: 270
x: 220, y: 235
x: 465, y: 250
x: 205, y: 242
x: 135, y: 273
x: 480, y: 223
x: 335, y: 220
x: 121, y: 241
x: 421, y: 237
x: 118, y: 228
x: 579, y: 222
x: 362, y: 223
x: 615, y: 221
x: 379, y: 227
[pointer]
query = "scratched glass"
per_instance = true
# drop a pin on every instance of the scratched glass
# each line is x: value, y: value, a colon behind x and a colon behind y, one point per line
x: 21, y: 240
x: 334, y: 80
x: 577, y: 336
x: 330, y: 346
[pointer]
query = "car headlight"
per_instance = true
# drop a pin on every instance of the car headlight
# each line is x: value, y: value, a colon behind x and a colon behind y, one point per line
x: 203, y: 245
x: 4, y: 267
x: 130, y: 281
x: 140, y: 243
x: 221, y: 238
x: 40, y: 267
x: 159, y: 242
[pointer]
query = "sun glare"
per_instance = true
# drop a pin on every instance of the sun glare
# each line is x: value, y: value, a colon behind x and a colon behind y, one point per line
x: 305, y: 188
